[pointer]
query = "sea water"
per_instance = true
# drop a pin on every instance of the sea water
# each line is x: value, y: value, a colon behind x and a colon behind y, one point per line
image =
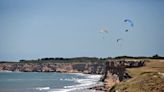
x: 47, y: 82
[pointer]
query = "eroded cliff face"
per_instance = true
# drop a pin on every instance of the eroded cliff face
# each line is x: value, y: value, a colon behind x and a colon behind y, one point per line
x: 111, y: 66
x: 94, y: 68
x: 89, y: 68
x: 115, y: 72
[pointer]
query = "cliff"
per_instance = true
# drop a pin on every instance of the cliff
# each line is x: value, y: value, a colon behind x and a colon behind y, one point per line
x: 113, y: 66
x: 89, y: 68
x: 113, y: 70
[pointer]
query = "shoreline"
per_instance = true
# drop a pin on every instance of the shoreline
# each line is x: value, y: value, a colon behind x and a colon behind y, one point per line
x: 90, y: 81
x: 112, y: 71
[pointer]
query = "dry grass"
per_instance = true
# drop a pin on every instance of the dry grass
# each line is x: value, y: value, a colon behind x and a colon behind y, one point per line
x: 151, y: 66
x: 146, y: 82
x: 145, y: 79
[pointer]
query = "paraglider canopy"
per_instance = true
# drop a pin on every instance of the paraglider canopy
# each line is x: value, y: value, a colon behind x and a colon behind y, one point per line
x: 129, y: 21
x: 104, y: 30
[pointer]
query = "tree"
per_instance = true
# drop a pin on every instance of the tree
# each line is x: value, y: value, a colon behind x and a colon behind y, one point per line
x: 156, y: 56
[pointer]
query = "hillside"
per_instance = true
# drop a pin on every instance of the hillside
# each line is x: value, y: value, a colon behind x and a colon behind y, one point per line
x: 149, y: 78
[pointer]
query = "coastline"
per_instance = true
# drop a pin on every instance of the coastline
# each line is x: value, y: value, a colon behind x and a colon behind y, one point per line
x: 82, y: 84
x: 112, y: 71
x: 152, y: 69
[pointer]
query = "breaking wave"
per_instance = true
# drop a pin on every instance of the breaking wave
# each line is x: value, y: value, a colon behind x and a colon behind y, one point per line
x: 87, y: 82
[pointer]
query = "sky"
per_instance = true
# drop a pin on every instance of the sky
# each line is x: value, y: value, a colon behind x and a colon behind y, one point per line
x: 31, y: 29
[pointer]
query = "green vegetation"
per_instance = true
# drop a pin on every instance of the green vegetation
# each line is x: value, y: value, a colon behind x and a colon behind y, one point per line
x: 85, y: 59
x: 156, y: 56
x: 66, y: 60
x: 81, y: 59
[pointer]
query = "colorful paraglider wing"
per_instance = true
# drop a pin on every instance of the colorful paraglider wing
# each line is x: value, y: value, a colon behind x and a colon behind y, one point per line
x: 129, y: 21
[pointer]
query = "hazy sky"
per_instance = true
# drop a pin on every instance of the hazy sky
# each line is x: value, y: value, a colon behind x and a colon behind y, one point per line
x: 31, y: 29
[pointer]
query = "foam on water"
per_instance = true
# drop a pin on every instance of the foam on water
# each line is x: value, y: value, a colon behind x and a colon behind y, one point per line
x: 87, y: 82
x: 42, y: 88
x: 47, y: 82
x: 69, y: 79
x: 6, y: 71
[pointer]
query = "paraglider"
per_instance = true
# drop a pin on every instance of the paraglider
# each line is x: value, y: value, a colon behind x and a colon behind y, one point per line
x: 126, y: 30
x: 119, y: 39
x: 129, y: 21
x: 104, y: 31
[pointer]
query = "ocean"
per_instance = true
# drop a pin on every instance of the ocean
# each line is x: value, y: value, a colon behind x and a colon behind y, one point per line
x: 47, y: 82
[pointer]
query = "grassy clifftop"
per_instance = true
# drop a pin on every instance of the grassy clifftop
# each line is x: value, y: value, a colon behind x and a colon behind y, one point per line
x: 146, y: 82
x: 149, y: 78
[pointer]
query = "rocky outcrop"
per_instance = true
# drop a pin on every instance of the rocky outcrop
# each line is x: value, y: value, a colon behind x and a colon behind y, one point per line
x: 28, y: 67
x: 96, y: 68
x: 132, y: 64
x: 115, y: 72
